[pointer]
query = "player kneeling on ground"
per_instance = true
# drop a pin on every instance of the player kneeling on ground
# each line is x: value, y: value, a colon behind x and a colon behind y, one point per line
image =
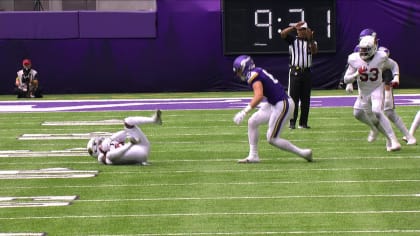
x: 128, y: 146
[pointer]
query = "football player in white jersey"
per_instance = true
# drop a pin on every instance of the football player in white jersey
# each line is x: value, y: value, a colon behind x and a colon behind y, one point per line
x: 414, y: 125
x: 366, y: 68
x: 128, y: 146
x: 389, y: 105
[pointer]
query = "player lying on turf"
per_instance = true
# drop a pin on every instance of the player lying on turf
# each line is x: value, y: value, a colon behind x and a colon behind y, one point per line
x: 277, y: 112
x: 128, y: 146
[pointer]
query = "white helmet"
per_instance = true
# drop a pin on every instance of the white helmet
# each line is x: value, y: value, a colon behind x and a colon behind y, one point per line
x: 93, y: 146
x: 367, y: 47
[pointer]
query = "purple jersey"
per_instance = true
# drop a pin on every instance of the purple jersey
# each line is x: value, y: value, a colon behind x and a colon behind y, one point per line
x: 273, y: 90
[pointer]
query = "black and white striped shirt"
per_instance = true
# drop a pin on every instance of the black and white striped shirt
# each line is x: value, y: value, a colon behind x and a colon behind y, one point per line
x: 299, y: 52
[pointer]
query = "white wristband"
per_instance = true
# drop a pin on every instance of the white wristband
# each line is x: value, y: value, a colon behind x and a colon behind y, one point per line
x: 247, y: 108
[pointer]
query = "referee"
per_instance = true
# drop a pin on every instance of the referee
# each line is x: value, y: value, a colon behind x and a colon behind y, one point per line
x: 301, y: 48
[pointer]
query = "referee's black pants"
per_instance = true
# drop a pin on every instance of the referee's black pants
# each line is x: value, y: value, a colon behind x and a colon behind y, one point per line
x: 300, y: 85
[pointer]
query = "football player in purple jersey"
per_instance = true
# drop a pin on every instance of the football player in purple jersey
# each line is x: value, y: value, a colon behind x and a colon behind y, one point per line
x: 276, y: 112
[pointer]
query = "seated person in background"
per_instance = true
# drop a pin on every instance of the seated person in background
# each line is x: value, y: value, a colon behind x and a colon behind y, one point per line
x: 26, y: 85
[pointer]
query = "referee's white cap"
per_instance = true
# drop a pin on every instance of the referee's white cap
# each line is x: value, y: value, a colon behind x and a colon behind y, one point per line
x: 305, y: 25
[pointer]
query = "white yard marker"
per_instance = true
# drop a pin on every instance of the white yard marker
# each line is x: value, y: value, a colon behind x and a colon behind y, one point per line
x: 23, y: 234
x: 50, y: 173
x: 54, y: 153
x: 82, y: 123
x: 63, y: 136
x: 36, y: 201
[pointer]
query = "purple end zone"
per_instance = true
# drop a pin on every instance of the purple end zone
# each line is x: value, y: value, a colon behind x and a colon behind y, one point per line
x: 171, y: 104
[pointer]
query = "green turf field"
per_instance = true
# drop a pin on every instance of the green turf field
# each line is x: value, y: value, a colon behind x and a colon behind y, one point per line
x: 195, y: 187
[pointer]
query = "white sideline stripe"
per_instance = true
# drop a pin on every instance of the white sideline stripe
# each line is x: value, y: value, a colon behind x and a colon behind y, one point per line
x: 252, y: 198
x: 228, y: 99
x: 222, y: 183
x: 217, y: 214
x: 33, y: 108
x: 275, y: 232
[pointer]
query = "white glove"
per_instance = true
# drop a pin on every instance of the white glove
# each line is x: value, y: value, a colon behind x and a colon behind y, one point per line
x: 239, y: 117
x: 106, y: 144
x: 349, y: 88
x: 102, y: 158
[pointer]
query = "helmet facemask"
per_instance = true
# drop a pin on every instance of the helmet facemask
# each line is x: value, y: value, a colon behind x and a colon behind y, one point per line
x: 367, y: 47
x: 93, y: 146
x: 242, y: 65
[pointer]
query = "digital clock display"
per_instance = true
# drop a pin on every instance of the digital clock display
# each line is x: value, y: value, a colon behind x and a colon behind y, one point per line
x: 254, y: 26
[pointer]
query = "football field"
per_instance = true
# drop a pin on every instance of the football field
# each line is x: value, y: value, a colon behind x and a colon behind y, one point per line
x: 50, y: 186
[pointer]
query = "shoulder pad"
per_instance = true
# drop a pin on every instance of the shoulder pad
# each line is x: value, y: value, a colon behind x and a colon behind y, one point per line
x: 353, y: 58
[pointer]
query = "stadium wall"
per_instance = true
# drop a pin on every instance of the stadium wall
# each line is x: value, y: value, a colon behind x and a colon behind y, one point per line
x: 179, y: 47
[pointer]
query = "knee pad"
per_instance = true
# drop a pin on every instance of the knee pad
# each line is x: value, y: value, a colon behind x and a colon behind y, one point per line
x: 252, y: 122
x: 358, y: 114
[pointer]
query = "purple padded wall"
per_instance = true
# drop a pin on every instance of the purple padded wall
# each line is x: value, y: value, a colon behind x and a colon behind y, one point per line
x: 187, y: 54
x: 99, y: 24
x: 39, y: 25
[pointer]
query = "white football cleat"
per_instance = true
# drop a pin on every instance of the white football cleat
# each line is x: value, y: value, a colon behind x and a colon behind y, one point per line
x: 307, y: 154
x: 392, y: 145
x: 410, y: 140
x: 144, y: 163
x: 373, y: 134
x: 249, y: 160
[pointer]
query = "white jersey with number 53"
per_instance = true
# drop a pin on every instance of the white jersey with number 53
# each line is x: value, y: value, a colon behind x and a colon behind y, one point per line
x: 372, y: 78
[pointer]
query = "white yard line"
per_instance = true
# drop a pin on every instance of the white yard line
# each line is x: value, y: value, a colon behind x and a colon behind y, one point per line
x: 254, y: 197
x: 332, y: 232
x: 207, y: 214
x: 110, y: 186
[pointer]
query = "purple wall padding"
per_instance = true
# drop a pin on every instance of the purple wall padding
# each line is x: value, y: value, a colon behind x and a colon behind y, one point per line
x: 77, y: 24
x: 95, y: 24
x: 39, y: 25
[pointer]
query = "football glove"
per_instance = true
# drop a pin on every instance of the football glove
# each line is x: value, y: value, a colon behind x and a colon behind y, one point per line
x: 349, y: 88
x: 362, y: 69
x: 239, y: 117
